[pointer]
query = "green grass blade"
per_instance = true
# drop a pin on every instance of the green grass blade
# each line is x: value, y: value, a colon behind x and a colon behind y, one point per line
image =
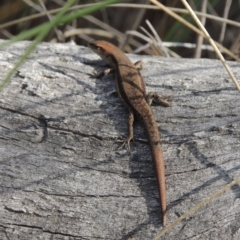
x: 38, y: 39
x: 65, y: 19
x: 42, y: 31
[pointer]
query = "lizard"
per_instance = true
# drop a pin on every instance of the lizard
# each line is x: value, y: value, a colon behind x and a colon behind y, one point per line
x: 132, y: 91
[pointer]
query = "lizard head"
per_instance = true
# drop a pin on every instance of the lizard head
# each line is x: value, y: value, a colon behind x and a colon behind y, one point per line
x: 104, y: 50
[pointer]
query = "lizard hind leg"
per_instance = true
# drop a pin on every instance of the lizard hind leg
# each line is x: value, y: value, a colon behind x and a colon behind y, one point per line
x: 130, y: 131
x: 154, y: 97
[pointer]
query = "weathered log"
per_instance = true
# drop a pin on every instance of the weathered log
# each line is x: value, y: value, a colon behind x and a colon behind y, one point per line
x: 62, y: 175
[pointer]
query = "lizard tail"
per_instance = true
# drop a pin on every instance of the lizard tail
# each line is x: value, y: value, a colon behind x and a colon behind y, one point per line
x: 145, y: 112
x: 160, y: 172
x: 156, y: 151
x: 157, y: 156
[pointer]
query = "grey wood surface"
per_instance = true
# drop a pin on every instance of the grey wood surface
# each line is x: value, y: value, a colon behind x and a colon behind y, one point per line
x: 62, y: 175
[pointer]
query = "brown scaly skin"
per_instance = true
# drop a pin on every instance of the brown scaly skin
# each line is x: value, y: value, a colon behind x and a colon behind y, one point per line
x: 131, y: 89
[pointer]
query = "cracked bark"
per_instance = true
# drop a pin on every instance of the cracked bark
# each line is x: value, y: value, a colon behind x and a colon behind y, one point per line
x: 62, y: 176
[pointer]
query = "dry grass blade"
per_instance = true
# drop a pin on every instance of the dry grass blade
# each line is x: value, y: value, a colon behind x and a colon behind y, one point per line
x: 183, y: 21
x: 119, y: 35
x: 225, y: 15
x: 212, y: 43
x: 198, y: 50
x: 120, y: 5
x: 88, y: 31
x: 137, y: 16
x: 59, y: 34
x: 152, y: 44
x: 140, y: 35
x: 197, y: 207
x: 187, y: 45
x: 33, y: 5
x: 149, y: 40
x: 157, y: 40
x: 153, y: 41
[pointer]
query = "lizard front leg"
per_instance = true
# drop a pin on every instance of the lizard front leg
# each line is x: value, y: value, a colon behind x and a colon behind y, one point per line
x: 139, y: 65
x: 96, y: 74
x: 100, y: 74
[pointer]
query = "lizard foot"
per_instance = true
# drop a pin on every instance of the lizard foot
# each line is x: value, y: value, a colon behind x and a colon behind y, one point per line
x: 126, y: 142
x: 153, y: 97
x: 100, y: 74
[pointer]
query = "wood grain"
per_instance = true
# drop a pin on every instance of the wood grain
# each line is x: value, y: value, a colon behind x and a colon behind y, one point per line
x: 62, y: 176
